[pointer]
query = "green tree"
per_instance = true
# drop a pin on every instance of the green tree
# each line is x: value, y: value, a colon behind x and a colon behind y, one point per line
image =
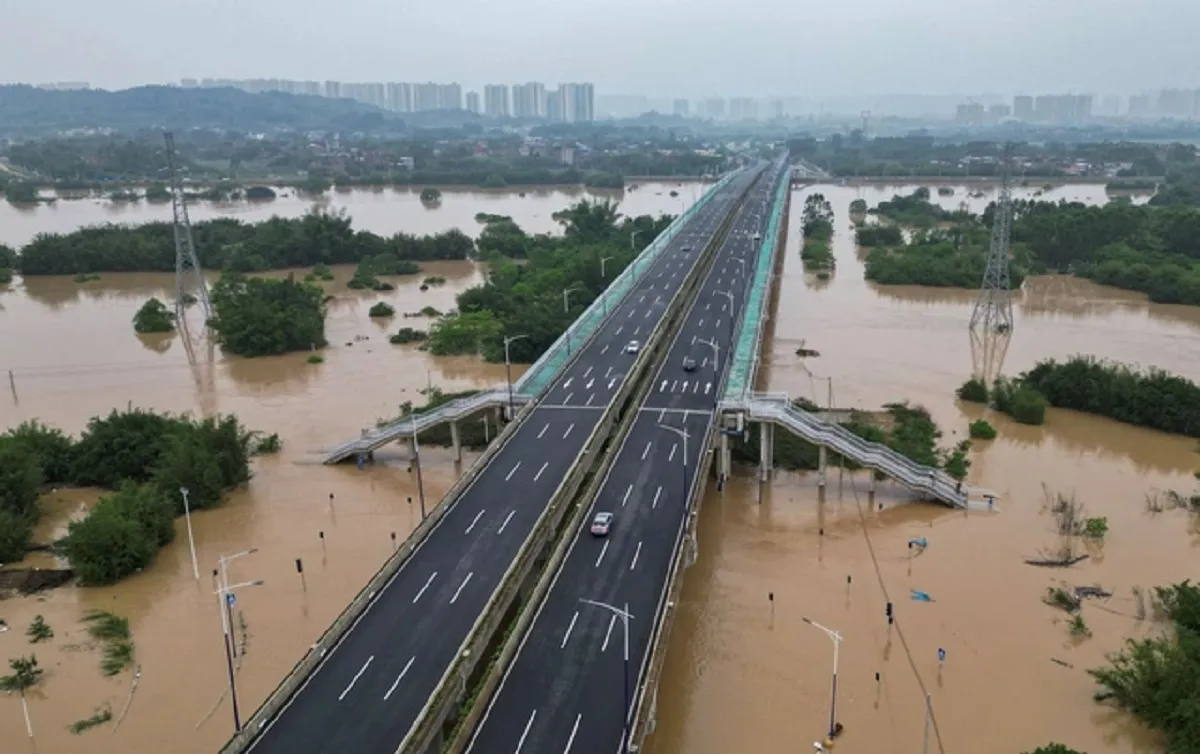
x: 1055, y: 749
x: 121, y: 534
x: 463, y: 333
x: 430, y: 195
x: 50, y: 448
x: 154, y: 317
x: 123, y: 445
x: 257, y: 317
x: 15, y: 531
x: 20, y: 478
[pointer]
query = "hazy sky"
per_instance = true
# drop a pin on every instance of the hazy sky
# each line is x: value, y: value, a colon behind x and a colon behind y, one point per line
x: 656, y: 47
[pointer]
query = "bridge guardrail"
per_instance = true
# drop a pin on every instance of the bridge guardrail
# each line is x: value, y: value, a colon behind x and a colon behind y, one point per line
x: 424, y: 730
x: 550, y: 363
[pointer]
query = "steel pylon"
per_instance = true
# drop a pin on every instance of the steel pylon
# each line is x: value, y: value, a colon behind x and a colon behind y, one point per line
x: 993, y: 309
x: 188, y: 275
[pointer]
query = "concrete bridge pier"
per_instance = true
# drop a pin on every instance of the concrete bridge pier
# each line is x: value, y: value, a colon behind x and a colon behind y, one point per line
x: 766, y: 442
x: 456, y: 442
x: 724, y: 458
x: 822, y: 472
x: 871, y: 489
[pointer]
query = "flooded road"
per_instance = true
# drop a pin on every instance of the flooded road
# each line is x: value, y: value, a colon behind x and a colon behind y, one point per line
x: 738, y: 677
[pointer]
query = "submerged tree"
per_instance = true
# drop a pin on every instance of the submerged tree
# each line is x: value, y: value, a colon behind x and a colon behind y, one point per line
x: 154, y: 317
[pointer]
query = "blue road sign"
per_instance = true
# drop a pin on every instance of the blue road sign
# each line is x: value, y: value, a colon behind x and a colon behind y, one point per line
x: 941, y: 653
x: 231, y: 600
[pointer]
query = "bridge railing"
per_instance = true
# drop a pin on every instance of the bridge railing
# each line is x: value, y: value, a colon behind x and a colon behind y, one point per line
x: 749, y: 343
x: 546, y: 368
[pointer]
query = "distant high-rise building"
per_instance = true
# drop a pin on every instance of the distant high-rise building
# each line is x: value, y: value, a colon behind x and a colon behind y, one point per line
x: 555, y: 106
x: 970, y: 114
x: 680, y: 107
x: 495, y: 101
x: 776, y: 108
x: 333, y: 89
x: 529, y: 100
x: 473, y: 102
x: 714, y: 107
x: 450, y: 97
x: 998, y: 112
x: 743, y: 108
x: 400, y: 97
x: 1139, y: 105
x: 576, y: 103
x: 1023, y: 107
x: 426, y: 96
x: 189, y: 83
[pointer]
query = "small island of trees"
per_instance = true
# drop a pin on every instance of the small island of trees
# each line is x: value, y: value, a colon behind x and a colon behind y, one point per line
x: 153, y: 317
x: 259, y: 317
x: 430, y: 195
x: 817, y: 226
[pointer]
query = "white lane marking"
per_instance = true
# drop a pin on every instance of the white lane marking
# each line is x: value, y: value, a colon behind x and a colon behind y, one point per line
x: 612, y: 382
x: 427, y: 583
x: 461, y: 587
x: 643, y: 298
x: 357, y: 675
x: 625, y: 499
x: 607, y: 634
x: 704, y: 363
x: 589, y: 400
x: 631, y: 310
x: 696, y: 387
x: 589, y: 371
x: 574, y: 729
x: 636, y: 552
x: 707, y: 305
x: 608, y: 371
x: 474, y: 521
x: 648, y: 311
x: 662, y: 415
x: 707, y: 387
x: 667, y: 286
x: 701, y: 325
x: 514, y: 470
x: 672, y: 456
x: 685, y: 384
x: 401, y: 676
x: 590, y: 382
x: 567, y: 635
x: 543, y: 430
x: 604, y: 350
x: 567, y: 384
x: 657, y: 495
x: 674, y: 385
x: 538, y: 475
x: 718, y: 325
x: 646, y: 452
x: 619, y: 329
x: 506, y: 520
x: 568, y: 430
x: 525, y: 733
x: 568, y: 398
x: 637, y: 330
x: 602, y: 551
x: 663, y: 386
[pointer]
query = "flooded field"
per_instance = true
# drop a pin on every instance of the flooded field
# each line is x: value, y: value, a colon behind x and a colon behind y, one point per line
x: 739, y: 677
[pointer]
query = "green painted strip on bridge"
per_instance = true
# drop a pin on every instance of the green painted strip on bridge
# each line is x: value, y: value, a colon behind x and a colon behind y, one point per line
x: 745, y: 355
x: 546, y: 369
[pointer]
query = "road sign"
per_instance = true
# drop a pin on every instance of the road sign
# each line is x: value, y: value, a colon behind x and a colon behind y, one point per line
x: 941, y: 654
x: 231, y: 600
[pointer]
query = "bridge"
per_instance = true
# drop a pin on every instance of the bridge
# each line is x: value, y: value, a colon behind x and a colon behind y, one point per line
x: 443, y: 622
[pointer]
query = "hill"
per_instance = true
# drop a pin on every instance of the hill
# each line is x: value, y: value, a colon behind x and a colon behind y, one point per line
x: 29, y: 111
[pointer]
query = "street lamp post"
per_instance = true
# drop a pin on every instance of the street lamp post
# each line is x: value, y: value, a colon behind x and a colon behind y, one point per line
x: 684, y: 434
x: 508, y: 372
x: 223, y: 581
x: 566, y: 309
x: 602, y: 261
x: 225, y: 597
x: 417, y: 463
x: 632, y: 236
x: 187, y: 515
x: 836, y: 638
x: 625, y: 617
x: 729, y: 295
x: 716, y: 355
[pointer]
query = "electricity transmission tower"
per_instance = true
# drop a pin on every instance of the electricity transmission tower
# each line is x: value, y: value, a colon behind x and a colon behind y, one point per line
x: 993, y: 309
x: 187, y: 265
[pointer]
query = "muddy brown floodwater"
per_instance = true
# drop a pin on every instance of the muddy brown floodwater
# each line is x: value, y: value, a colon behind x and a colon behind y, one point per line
x: 738, y: 678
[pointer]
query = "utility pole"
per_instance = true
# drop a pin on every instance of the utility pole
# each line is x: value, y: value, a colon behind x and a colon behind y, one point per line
x: 187, y: 264
x: 993, y: 309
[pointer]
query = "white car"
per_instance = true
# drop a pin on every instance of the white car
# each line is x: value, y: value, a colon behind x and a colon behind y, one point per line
x: 633, y: 347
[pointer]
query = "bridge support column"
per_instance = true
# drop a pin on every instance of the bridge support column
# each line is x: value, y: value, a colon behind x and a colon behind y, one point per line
x: 456, y: 442
x: 871, y: 488
x: 724, y: 461
x: 766, y: 450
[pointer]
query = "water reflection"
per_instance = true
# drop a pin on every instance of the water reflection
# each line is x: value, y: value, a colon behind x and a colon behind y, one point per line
x: 988, y: 349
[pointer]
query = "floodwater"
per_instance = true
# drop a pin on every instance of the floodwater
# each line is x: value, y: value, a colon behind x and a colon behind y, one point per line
x: 742, y: 675
x: 738, y: 677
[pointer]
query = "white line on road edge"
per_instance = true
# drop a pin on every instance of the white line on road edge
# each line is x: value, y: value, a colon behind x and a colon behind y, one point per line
x: 657, y: 495
x: 543, y: 430
x: 398, y: 679
x: 506, y: 520
x: 568, y: 430
x: 538, y: 475
x: 646, y: 452
x: 427, y: 583
x: 461, y: 587
x: 574, y: 730
x: 474, y: 521
x: 636, y: 552
x: 626, y: 498
x: 357, y: 675
x: 567, y: 635
x: 525, y: 733
x: 673, y: 449
x: 611, y: 622
x: 602, y: 551
x: 514, y: 470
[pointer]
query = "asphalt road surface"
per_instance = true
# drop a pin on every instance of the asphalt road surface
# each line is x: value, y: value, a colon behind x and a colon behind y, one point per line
x: 566, y: 688
x: 369, y: 690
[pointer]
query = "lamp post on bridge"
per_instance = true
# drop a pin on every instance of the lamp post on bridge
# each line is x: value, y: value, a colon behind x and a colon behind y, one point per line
x: 625, y: 617
x: 226, y: 599
x: 728, y: 295
x: 684, y: 434
x: 417, y: 463
x: 509, y: 340
x: 223, y: 579
x: 566, y: 310
x: 836, y: 638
